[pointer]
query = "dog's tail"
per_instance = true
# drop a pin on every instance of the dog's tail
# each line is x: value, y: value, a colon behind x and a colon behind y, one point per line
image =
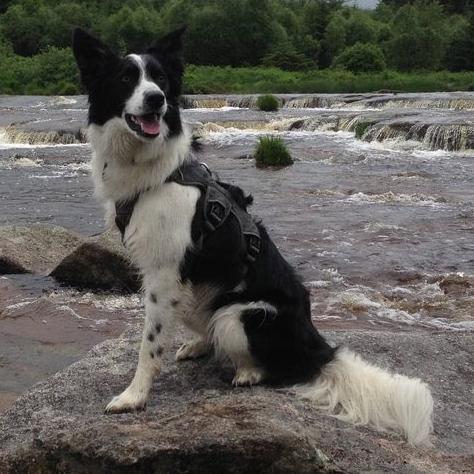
x: 357, y: 392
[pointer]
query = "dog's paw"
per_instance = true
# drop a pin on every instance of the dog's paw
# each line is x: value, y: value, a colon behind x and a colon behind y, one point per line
x: 192, y: 350
x: 127, y: 401
x: 248, y: 376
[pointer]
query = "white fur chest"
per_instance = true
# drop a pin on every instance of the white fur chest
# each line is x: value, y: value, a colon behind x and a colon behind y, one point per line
x: 159, y: 232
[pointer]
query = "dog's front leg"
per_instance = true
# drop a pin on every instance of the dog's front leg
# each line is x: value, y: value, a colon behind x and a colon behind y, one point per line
x: 162, y: 292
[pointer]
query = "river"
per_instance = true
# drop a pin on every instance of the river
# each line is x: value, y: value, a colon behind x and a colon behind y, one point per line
x: 376, y: 214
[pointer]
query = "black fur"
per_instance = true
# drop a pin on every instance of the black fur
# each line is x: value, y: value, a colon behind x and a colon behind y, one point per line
x: 284, y: 342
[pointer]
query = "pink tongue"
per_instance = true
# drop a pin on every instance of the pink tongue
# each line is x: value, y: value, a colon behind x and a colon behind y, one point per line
x: 150, y: 126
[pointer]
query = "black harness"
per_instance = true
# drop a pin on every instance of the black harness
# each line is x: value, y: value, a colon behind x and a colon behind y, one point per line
x: 218, y: 202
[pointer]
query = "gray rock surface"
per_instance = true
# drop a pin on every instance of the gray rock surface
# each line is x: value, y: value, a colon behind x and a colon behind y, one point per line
x: 38, y: 248
x: 97, y: 263
x: 197, y: 423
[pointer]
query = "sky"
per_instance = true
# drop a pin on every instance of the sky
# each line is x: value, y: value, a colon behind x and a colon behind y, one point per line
x: 364, y: 3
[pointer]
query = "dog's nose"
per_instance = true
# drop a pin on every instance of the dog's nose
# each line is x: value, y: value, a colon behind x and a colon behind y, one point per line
x: 154, y: 100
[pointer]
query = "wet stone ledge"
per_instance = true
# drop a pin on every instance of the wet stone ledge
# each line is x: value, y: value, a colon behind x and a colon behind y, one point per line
x: 197, y: 423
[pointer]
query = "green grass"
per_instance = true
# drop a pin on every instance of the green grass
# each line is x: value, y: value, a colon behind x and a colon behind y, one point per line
x: 214, y: 80
x: 54, y: 72
x: 268, y: 103
x: 272, y: 151
x: 361, y: 127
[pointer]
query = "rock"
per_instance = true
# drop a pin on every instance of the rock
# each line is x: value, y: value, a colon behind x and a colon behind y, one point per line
x: 197, y: 423
x: 95, y: 267
x: 9, y: 266
x: 95, y: 263
x: 37, y: 248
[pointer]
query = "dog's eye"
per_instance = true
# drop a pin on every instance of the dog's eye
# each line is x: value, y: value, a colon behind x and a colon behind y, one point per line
x: 125, y: 79
x: 161, y: 79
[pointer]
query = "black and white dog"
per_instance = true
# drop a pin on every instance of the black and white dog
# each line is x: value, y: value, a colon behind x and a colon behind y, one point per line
x: 240, y: 297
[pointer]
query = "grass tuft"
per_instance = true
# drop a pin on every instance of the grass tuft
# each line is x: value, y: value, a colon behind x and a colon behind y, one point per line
x: 268, y: 103
x: 361, y: 128
x: 272, y: 151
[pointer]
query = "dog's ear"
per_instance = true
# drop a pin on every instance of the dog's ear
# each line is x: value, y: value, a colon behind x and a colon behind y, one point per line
x: 92, y: 56
x: 169, y: 45
x: 168, y: 52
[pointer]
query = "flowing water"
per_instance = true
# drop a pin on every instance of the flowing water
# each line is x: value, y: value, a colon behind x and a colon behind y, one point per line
x: 376, y: 214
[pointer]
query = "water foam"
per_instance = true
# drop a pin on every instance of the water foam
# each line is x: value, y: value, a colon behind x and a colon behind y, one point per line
x: 390, y: 196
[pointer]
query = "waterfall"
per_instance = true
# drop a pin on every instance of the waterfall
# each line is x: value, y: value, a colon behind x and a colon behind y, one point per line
x: 449, y: 137
x: 440, y: 103
x: 454, y: 137
x: 349, y: 124
x: 312, y: 102
x: 325, y: 101
x: 204, y: 103
x: 12, y: 135
x: 381, y: 133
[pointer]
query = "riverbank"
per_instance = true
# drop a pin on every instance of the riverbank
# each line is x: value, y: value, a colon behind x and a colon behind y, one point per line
x: 37, y: 76
x: 212, y: 80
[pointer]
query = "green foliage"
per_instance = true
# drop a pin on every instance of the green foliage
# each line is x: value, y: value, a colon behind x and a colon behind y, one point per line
x: 418, y: 41
x: 217, y: 80
x: 285, y: 57
x: 361, y: 128
x: 52, y: 72
x: 131, y: 29
x: 272, y: 151
x: 460, y: 53
x: 234, y: 32
x: 361, y: 58
x: 450, y: 6
x: 291, y: 35
x: 268, y: 103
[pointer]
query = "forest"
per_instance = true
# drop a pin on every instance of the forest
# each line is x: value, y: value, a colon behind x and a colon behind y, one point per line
x: 251, y: 45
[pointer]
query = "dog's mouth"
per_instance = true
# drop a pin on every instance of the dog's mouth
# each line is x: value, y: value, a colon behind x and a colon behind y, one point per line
x: 147, y: 125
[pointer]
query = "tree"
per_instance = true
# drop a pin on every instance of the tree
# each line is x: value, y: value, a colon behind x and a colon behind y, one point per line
x: 131, y: 30
x: 419, y: 37
x: 285, y: 56
x: 361, y: 58
x: 335, y: 36
x: 25, y: 25
x: 460, y: 53
x: 461, y: 7
x: 237, y: 32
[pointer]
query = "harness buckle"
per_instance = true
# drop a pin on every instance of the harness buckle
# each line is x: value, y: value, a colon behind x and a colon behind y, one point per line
x: 215, y: 215
x: 253, y: 247
x: 204, y: 165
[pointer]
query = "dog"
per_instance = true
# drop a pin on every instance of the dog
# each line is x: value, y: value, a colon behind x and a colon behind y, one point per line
x: 206, y: 262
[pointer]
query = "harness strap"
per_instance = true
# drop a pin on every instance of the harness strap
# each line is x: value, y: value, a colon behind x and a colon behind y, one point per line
x: 218, y: 205
x: 124, y: 211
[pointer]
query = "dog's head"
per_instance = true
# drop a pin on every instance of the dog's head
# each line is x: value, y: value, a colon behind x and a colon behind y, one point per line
x: 140, y: 90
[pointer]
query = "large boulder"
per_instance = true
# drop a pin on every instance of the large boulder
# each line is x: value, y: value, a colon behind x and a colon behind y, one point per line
x: 95, y: 267
x: 94, y: 263
x: 37, y: 248
x: 197, y: 423
x: 9, y: 265
x: 100, y: 263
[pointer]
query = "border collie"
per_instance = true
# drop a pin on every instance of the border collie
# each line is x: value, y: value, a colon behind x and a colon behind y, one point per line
x: 255, y: 312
